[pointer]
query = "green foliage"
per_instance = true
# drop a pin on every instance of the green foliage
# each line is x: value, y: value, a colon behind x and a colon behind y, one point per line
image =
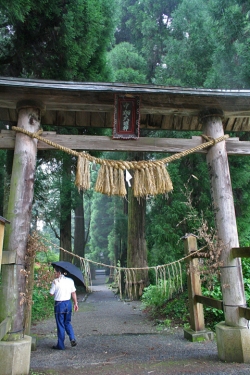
x: 102, y: 220
x: 213, y: 316
x: 143, y: 24
x: 191, y: 43
x: 153, y: 299
x: 47, y: 257
x: 57, y: 40
x: 231, y: 41
x: 117, y: 238
x: 16, y: 9
x: 43, y: 304
x: 154, y: 296
x: 175, y: 310
x: 188, y: 49
x: 127, y: 64
x: 182, y: 211
x: 246, y: 278
x: 240, y: 176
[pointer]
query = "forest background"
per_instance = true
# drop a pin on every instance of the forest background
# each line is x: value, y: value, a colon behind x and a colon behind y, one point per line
x: 185, y: 43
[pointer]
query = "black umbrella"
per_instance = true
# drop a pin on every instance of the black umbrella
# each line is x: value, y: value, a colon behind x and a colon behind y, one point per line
x: 70, y: 271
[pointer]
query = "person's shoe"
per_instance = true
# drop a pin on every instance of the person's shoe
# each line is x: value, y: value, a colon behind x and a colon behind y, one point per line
x: 73, y: 342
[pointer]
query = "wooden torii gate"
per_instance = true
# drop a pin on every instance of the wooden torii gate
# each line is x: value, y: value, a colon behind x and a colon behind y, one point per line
x: 30, y: 103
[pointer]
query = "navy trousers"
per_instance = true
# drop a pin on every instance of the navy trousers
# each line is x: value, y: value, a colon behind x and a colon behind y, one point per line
x: 63, y: 311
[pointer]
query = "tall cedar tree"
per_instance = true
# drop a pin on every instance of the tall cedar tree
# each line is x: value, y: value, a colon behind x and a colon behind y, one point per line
x: 55, y: 39
x: 144, y: 24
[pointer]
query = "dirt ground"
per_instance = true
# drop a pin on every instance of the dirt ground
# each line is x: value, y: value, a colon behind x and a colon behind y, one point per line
x: 116, y: 337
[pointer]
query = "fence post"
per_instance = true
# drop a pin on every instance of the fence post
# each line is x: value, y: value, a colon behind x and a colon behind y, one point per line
x: 197, y: 331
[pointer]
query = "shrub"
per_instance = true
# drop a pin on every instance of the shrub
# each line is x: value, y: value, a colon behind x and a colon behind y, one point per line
x: 43, y: 304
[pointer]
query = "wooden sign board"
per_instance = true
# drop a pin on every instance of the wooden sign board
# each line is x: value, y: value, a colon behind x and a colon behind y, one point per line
x: 126, y: 117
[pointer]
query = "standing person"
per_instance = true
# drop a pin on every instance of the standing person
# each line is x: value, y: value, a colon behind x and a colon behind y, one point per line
x: 63, y: 288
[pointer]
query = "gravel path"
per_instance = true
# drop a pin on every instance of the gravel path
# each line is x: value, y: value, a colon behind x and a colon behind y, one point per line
x: 116, y: 337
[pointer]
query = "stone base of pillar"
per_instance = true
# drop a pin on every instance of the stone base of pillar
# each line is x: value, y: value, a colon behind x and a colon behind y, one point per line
x: 233, y: 343
x: 15, y: 356
x: 196, y: 336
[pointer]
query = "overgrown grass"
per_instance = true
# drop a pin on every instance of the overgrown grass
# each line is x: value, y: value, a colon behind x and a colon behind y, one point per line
x: 159, y: 308
x: 176, y: 310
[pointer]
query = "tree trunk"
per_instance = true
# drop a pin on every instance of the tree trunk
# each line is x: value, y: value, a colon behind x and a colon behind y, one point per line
x: 79, y: 236
x: 13, y: 288
x: 65, y: 218
x: 123, y: 246
x: 137, y: 250
x: 8, y: 170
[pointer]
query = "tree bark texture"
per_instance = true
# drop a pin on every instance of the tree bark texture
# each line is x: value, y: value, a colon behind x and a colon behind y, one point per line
x: 65, y: 214
x: 137, y: 250
x: 223, y: 204
x: 13, y: 286
x: 79, y: 236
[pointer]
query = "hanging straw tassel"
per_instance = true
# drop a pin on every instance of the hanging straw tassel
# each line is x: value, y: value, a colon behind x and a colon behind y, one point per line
x: 139, y: 183
x: 100, y: 180
x: 110, y: 181
x: 103, y: 181
x: 116, y: 181
x: 147, y: 180
x: 122, y: 192
x: 82, y: 180
x: 136, y: 183
x: 163, y: 181
x: 168, y: 186
x: 150, y: 188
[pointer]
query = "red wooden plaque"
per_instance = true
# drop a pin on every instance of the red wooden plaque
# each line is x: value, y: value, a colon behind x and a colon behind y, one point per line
x: 126, y: 117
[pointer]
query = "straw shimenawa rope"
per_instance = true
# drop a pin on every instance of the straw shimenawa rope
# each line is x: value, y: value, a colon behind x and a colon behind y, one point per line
x: 150, y: 177
x: 168, y: 276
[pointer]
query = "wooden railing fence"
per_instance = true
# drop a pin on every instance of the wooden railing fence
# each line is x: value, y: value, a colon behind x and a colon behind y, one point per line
x: 196, y: 299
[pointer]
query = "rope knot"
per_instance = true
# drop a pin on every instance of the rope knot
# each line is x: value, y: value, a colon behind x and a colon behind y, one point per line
x: 209, y: 139
x: 37, y: 134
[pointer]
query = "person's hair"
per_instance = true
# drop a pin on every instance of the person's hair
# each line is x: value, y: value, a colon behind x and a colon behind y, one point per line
x: 58, y: 269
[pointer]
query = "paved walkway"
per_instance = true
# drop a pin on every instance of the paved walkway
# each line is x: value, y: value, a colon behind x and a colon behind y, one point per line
x: 116, y: 337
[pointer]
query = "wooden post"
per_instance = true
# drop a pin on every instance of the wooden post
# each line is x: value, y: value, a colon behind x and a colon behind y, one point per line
x: 194, y: 286
x: 13, y: 286
x: 223, y: 205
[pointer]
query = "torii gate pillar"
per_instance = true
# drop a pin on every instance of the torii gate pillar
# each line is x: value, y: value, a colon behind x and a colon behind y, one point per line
x: 233, y: 337
x: 15, y: 348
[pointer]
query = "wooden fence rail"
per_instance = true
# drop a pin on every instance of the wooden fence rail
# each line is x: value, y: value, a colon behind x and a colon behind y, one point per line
x: 244, y: 312
x: 196, y: 314
x: 208, y: 301
x: 241, y: 252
